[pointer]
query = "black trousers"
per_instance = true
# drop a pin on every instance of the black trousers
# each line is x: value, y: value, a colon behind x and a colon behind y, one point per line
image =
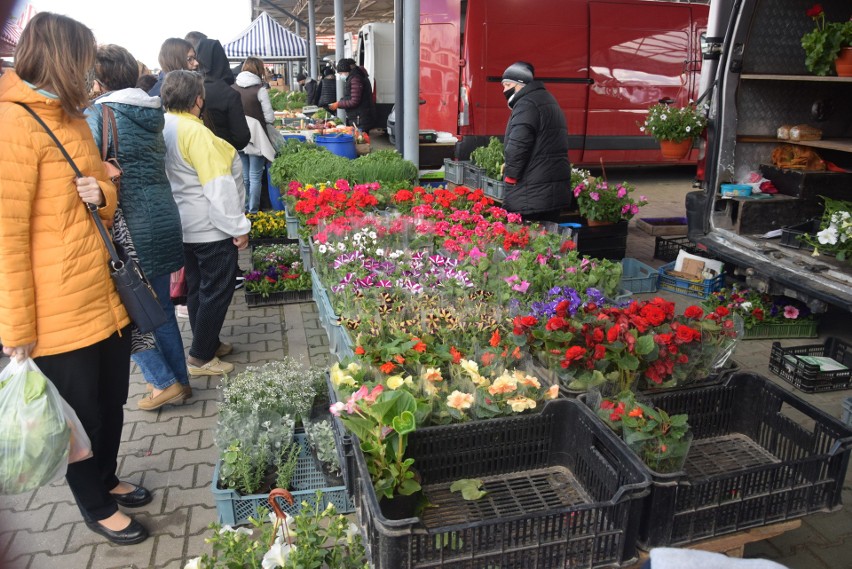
x: 94, y: 381
x: 210, y: 272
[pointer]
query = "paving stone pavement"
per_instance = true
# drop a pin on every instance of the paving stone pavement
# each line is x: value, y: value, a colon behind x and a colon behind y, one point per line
x: 171, y: 451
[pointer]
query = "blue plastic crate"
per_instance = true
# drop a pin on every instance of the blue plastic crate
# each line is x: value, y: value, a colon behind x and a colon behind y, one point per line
x: 638, y: 277
x: 697, y: 289
x: 234, y: 509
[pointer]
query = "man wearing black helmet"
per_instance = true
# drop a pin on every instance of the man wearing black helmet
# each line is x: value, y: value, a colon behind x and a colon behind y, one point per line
x: 535, y: 153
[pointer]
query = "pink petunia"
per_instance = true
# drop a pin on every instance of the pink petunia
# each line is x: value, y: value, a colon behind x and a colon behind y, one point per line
x: 595, y: 196
x: 791, y: 312
x: 522, y: 287
x: 625, y: 208
x: 622, y: 191
x: 578, y: 190
x: 634, y: 209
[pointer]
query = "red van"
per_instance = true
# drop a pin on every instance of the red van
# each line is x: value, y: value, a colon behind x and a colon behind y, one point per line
x: 606, y: 61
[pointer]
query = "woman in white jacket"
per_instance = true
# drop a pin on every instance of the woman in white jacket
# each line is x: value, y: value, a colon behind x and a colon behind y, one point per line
x: 258, y: 111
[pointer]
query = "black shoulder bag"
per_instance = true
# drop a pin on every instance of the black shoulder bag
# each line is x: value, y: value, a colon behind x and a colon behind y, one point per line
x: 134, y: 289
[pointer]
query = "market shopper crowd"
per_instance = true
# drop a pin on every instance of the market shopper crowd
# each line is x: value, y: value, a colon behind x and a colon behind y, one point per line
x: 179, y: 202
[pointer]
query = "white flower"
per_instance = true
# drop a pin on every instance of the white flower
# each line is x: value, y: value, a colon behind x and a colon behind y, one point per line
x: 287, y: 527
x: 746, y: 305
x: 277, y: 555
x: 341, y: 247
x: 689, y: 128
x: 193, y: 564
x: 664, y: 116
x: 828, y: 235
x: 351, y: 532
x: 356, y: 237
x: 322, y: 248
x: 226, y: 528
x: 380, y: 252
x: 641, y: 129
x: 373, y: 235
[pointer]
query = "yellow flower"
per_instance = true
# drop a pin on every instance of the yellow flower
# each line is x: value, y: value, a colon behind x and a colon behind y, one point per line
x: 394, y: 381
x: 432, y: 374
x: 470, y: 366
x: 353, y: 367
x: 520, y: 404
x: 503, y: 384
x: 459, y: 400
x: 336, y: 373
x: 527, y: 380
x: 553, y: 392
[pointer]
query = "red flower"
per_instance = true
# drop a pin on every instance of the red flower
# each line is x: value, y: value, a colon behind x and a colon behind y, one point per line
x: 607, y: 404
x: 555, y: 323
x: 653, y: 314
x: 757, y: 313
x: 456, y: 354
x: 637, y: 412
x: 600, y: 352
x: 612, y: 334
x: 598, y: 335
x: 574, y: 353
x: 488, y: 358
x: 567, y: 245
x: 419, y: 347
x: 693, y: 312
x: 360, y: 350
x: 682, y: 359
x: 687, y: 334
x: 722, y: 311
x: 495, y: 339
x: 399, y: 359
x: 814, y: 11
x: 562, y: 308
x: 387, y: 367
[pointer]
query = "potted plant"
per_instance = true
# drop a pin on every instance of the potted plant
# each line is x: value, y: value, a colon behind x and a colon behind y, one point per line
x: 828, y: 46
x: 835, y: 235
x: 602, y: 203
x: 674, y: 127
x: 362, y: 143
x: 765, y: 316
x: 660, y: 440
x: 278, y: 276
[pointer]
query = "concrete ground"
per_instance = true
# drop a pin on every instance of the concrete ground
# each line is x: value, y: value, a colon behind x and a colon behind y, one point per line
x: 171, y: 451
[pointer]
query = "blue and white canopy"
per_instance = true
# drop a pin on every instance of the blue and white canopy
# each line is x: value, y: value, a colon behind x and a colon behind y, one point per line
x: 268, y: 40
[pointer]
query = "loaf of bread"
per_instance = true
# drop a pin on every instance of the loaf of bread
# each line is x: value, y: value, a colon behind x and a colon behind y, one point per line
x: 784, y: 132
x: 805, y: 132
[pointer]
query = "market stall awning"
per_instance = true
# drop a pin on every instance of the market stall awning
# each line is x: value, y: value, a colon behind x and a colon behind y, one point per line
x: 268, y: 40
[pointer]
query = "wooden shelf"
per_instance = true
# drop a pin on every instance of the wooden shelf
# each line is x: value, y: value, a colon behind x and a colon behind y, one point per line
x: 772, y: 77
x: 841, y: 144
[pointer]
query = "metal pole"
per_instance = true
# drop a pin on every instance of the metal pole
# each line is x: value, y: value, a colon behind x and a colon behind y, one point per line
x: 399, y: 80
x: 411, y: 74
x: 338, y: 49
x: 312, y: 39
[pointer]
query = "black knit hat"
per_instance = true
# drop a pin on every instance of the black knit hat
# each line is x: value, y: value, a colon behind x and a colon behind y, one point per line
x: 520, y: 72
x: 301, y: 76
x: 345, y: 65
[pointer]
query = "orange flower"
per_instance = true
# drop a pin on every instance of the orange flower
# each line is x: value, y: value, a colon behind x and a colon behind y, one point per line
x: 420, y: 346
x: 495, y: 339
x: 399, y: 359
x: 487, y: 358
x: 637, y: 412
x: 456, y: 354
x: 387, y: 367
x: 516, y: 353
x: 360, y: 351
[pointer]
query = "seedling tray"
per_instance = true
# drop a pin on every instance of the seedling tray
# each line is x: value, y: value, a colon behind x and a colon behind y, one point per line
x: 751, y: 463
x: 562, y: 492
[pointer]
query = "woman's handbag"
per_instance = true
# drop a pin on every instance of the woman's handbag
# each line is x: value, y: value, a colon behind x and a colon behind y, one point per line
x: 134, y: 289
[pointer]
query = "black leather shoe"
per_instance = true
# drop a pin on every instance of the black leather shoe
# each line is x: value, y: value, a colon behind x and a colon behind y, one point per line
x: 136, y: 498
x: 134, y: 533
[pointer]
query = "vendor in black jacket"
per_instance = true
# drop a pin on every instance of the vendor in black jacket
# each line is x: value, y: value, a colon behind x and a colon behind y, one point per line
x: 535, y: 153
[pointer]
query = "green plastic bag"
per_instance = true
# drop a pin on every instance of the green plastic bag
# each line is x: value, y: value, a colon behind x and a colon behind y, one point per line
x: 35, y: 429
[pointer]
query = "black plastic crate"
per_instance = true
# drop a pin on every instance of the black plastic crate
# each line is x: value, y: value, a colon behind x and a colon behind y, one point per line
x: 345, y: 452
x: 790, y: 235
x: 667, y: 248
x: 563, y: 491
x: 808, y: 377
x: 751, y: 462
x: 603, y: 241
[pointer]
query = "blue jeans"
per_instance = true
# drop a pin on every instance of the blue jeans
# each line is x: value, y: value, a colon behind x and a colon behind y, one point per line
x: 253, y: 167
x: 166, y: 364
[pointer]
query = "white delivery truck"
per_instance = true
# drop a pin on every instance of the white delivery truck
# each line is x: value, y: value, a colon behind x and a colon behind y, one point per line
x: 375, y: 52
x: 758, y: 88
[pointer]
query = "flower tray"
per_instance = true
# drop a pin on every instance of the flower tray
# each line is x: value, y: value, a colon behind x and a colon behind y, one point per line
x: 292, y: 225
x: 473, y: 175
x: 345, y: 451
x: 698, y: 289
x: 637, y: 277
x: 751, y: 462
x: 259, y: 241
x: 790, y: 234
x: 792, y: 329
x: 603, y: 241
x: 255, y: 299
x: 563, y: 491
x: 662, y: 225
x: 339, y: 340
x: 234, y: 509
x: 808, y: 377
x: 667, y: 248
x: 494, y: 188
x: 454, y: 171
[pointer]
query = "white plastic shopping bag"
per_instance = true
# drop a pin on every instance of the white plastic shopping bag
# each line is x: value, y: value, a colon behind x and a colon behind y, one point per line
x: 36, y: 427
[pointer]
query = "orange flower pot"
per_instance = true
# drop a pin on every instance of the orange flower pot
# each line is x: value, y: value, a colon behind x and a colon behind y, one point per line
x: 843, y: 63
x: 676, y: 150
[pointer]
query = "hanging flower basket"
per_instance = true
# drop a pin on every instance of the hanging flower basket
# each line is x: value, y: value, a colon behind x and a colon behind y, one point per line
x: 676, y: 150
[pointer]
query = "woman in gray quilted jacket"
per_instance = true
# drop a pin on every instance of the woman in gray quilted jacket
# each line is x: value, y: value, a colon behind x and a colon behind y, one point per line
x: 153, y: 221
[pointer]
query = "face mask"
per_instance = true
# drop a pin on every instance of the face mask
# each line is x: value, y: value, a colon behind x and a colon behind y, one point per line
x: 342, y: 76
x: 508, y: 93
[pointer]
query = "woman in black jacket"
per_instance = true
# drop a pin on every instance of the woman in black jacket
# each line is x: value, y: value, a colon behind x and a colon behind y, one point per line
x: 535, y: 148
x: 357, y: 95
x: 222, y: 105
x: 326, y: 92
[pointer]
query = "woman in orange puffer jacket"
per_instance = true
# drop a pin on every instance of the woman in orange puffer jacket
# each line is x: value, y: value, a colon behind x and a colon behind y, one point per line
x: 57, y: 299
